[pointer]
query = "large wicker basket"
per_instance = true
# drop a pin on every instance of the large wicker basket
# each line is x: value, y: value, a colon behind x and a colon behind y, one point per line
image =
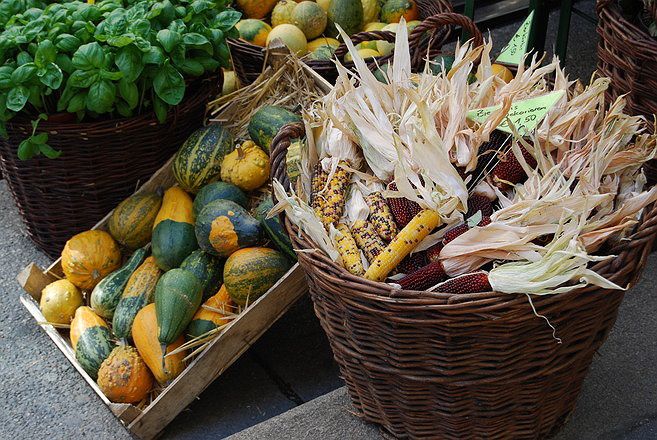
x: 438, y: 365
x: 248, y: 59
x: 101, y: 164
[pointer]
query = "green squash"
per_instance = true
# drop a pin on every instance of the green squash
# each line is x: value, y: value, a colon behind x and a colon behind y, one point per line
x: 107, y: 293
x: 267, y: 121
x: 198, y: 161
x: 348, y: 14
x: 172, y: 242
x: 207, y: 268
x: 90, y: 339
x: 131, y: 223
x: 218, y: 190
x: 249, y: 273
x: 177, y: 297
x: 223, y: 227
x: 274, y: 228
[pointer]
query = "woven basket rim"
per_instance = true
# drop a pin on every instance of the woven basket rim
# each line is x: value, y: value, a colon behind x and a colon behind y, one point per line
x: 644, y: 233
x: 609, y: 12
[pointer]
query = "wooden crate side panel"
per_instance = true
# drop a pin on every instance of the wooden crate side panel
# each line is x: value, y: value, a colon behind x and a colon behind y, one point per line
x: 220, y: 354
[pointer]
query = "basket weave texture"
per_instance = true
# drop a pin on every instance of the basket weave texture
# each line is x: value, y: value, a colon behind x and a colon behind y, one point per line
x: 448, y: 366
x: 249, y: 59
x: 101, y: 164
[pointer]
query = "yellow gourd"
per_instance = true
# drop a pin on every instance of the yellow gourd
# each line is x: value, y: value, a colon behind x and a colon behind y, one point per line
x: 247, y: 167
x: 124, y: 377
x: 176, y: 206
x: 59, y: 300
x: 88, y: 257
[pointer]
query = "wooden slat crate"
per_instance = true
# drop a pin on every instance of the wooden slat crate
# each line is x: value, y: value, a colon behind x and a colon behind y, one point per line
x: 146, y: 423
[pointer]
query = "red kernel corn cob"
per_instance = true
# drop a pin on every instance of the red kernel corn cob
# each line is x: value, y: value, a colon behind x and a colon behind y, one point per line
x: 367, y: 239
x: 477, y: 202
x: 412, y: 263
x: 403, y: 210
x: 469, y: 283
x: 434, y: 252
x: 346, y: 247
x: 508, y: 171
x: 403, y: 244
x: 428, y: 276
x: 462, y: 229
x: 381, y: 217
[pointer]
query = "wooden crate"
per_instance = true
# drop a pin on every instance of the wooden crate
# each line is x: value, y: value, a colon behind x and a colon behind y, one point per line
x: 146, y: 423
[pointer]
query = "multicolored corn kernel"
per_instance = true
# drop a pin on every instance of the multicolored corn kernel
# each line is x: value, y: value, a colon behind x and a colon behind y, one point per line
x: 462, y: 229
x: 346, y: 247
x: 508, y: 170
x: 403, y: 244
x: 478, y: 202
x: 317, y: 184
x: 381, y: 216
x: 367, y: 239
x: 334, y: 196
x: 403, y: 210
x: 428, y: 276
x: 412, y: 263
x: 470, y: 283
x: 433, y: 253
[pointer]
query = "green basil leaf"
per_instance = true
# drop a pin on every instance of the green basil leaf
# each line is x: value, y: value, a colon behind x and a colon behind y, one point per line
x: 27, y: 149
x: 112, y: 76
x: 121, y: 40
x: 89, y: 56
x: 3, y: 130
x: 199, y: 6
x: 223, y: 53
x: 129, y: 92
x: 77, y: 102
x: 140, y: 27
x: 23, y: 73
x: 32, y: 29
x: 83, y: 78
x: 192, y: 67
x: 227, y: 19
x: 45, y: 54
x: 49, y: 151
x: 154, y: 56
x: 142, y: 44
x: 64, y: 62
x: 193, y: 39
x: 168, y: 39
x: 67, y: 42
x: 129, y: 61
x: 181, y: 11
x: 51, y: 76
x: 66, y: 96
x: 5, y: 79
x: 123, y: 109
x: 40, y: 138
x: 161, y: 109
x: 101, y: 96
x: 116, y: 22
x: 24, y: 58
x: 178, y: 54
x: 169, y: 85
x: 209, y: 64
x: 177, y: 26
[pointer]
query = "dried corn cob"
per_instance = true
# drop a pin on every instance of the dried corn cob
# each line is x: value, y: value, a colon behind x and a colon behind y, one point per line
x: 403, y: 210
x: 508, y: 170
x: 317, y: 184
x: 478, y: 202
x: 433, y: 253
x: 428, y: 276
x: 403, y: 244
x: 469, y: 283
x: 381, y: 217
x: 461, y: 229
x: 367, y: 239
x: 346, y: 246
x: 412, y: 263
x: 487, y: 152
x: 332, y: 205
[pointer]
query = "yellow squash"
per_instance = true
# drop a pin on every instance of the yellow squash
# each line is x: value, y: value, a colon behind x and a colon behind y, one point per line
x: 59, y: 301
x: 247, y: 167
x: 88, y: 257
x: 256, y: 8
x: 176, y: 206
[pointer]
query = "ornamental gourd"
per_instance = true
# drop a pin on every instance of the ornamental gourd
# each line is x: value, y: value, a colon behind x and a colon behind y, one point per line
x: 90, y: 256
x: 215, y: 191
x: 173, y: 235
x: 267, y: 122
x: 223, y: 227
x: 90, y: 339
x: 247, y: 167
x: 177, y: 297
x: 274, y: 228
x: 124, y: 377
x: 59, y: 301
x: 206, y: 320
x: 249, y: 273
x: 131, y: 223
x: 144, y: 334
x: 207, y: 268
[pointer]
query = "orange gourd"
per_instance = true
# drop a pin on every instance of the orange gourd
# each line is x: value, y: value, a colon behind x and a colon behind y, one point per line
x: 124, y: 377
x: 144, y: 335
x: 88, y: 257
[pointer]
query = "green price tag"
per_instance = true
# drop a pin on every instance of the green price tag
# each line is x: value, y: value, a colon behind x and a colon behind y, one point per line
x: 514, y: 51
x: 525, y: 115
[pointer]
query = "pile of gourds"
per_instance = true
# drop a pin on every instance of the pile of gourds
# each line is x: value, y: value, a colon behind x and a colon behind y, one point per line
x: 199, y: 254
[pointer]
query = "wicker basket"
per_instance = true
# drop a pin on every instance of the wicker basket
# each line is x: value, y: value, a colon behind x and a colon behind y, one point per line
x: 437, y: 365
x: 102, y: 163
x: 248, y: 59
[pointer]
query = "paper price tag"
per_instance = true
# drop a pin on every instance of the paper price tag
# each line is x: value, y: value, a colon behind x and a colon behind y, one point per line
x: 525, y: 115
x: 517, y: 48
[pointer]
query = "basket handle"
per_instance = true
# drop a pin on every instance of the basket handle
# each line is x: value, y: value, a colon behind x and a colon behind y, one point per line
x: 388, y: 36
x: 602, y: 4
x: 434, y: 25
x: 279, y: 146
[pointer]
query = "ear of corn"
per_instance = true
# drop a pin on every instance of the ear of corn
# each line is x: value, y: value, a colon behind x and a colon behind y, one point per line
x: 478, y: 202
x: 412, y: 263
x: 367, y: 239
x: 346, y: 246
x: 433, y: 253
x: 470, y: 283
x: 381, y: 217
x: 403, y: 210
x: 428, y: 276
x: 403, y: 244
x: 333, y: 197
x: 462, y: 229
x: 508, y: 170
x: 317, y: 184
